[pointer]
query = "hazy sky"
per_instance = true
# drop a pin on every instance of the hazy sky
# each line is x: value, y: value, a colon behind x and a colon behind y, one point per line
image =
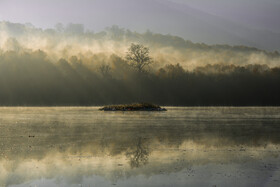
x: 191, y: 17
x: 263, y: 14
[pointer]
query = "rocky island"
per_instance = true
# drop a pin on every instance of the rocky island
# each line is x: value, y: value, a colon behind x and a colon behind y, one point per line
x: 133, y: 107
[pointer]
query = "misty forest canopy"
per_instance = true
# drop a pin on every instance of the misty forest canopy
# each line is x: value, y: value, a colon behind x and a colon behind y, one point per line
x: 138, y: 57
x: 70, y: 66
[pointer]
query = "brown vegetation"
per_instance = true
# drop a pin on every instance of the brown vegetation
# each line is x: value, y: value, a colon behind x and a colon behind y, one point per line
x: 133, y: 107
x: 89, y: 68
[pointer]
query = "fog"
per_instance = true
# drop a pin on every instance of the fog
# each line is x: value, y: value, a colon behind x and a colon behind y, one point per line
x: 76, y: 143
x: 65, y: 66
x: 241, y: 22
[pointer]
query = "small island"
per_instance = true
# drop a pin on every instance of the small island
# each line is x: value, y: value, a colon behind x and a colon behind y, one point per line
x: 133, y: 107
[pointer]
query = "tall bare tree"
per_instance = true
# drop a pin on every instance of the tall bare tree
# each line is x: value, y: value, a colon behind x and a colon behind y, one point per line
x: 105, y: 69
x: 138, y: 56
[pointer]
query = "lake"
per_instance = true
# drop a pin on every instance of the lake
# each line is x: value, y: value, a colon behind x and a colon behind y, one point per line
x: 184, y: 146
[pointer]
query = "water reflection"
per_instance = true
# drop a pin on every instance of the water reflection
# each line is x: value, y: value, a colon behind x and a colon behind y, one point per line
x: 138, y: 156
x: 72, y: 146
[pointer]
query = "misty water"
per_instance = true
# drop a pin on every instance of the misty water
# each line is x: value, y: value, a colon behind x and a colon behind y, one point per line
x: 185, y: 146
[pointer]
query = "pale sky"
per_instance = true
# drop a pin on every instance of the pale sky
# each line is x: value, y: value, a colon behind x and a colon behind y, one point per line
x: 196, y: 20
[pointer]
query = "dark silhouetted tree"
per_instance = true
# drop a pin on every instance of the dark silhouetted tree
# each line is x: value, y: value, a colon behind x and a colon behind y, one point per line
x: 105, y: 70
x: 138, y: 57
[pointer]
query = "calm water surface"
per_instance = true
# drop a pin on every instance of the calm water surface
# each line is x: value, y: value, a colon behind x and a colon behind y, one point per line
x: 185, y: 146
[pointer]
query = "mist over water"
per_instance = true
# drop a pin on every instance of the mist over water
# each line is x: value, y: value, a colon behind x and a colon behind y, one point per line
x: 70, y: 146
x: 216, y: 77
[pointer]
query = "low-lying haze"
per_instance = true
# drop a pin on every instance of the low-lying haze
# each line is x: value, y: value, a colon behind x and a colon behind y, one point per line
x: 252, y: 23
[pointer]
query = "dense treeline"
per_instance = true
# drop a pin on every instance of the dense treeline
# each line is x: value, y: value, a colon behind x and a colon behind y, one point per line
x: 74, y: 40
x: 68, y: 65
x: 29, y: 78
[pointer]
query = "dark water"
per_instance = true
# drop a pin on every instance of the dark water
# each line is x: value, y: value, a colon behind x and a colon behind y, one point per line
x: 186, y: 146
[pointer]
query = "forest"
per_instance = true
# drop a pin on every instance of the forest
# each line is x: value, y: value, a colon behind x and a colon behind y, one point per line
x: 68, y: 66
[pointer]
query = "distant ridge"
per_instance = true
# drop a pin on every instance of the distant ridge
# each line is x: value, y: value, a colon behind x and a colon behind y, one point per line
x: 160, y: 16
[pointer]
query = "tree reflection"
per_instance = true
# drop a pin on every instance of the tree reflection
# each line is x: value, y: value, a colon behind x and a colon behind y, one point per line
x: 139, y: 154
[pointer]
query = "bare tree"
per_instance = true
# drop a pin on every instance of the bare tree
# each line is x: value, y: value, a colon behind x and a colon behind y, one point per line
x: 105, y: 70
x: 138, y: 57
x: 139, y: 155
